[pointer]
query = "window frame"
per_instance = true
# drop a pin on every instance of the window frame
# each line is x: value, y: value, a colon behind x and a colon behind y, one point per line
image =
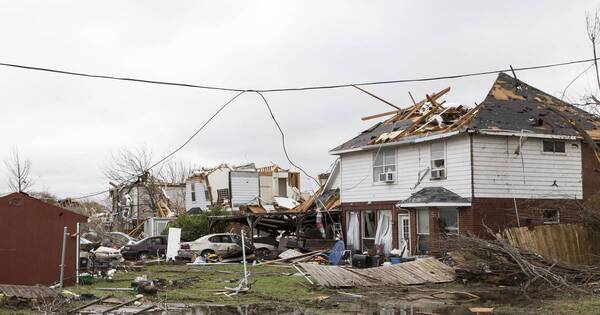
x: 453, y: 230
x: 193, y: 189
x: 363, y: 214
x: 546, y: 221
x: 554, y: 141
x: 419, y: 232
x: 383, y: 166
x: 220, y: 192
x: 431, y: 161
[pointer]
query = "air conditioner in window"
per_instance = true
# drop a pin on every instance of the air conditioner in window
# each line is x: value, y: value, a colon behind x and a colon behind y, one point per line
x: 437, y: 174
x: 387, y: 177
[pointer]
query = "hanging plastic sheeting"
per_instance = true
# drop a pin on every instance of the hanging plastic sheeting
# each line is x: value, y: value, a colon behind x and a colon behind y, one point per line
x: 353, y: 239
x: 383, y: 236
x: 320, y: 226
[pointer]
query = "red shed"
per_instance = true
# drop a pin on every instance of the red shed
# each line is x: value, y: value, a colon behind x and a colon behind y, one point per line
x: 31, y: 235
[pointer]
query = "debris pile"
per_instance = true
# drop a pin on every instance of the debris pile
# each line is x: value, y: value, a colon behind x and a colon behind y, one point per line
x: 498, y: 262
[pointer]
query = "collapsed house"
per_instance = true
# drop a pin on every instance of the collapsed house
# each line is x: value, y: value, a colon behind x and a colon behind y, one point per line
x: 234, y: 186
x: 315, y: 223
x: 147, y: 197
x: 520, y: 158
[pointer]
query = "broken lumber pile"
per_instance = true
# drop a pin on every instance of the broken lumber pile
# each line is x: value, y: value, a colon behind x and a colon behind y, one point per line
x: 420, y: 271
x: 499, y: 262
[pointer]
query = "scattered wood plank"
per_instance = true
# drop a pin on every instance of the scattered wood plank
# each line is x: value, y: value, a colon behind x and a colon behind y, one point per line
x: 144, y: 309
x: 377, y: 97
x: 110, y: 309
x: 288, y: 258
x: 89, y: 304
x: 420, y: 271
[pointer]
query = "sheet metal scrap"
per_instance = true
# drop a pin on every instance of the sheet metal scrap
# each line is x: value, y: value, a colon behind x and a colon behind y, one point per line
x: 420, y: 271
x: 27, y: 292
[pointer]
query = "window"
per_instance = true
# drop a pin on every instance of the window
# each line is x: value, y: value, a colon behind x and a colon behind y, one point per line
x: 448, y: 220
x: 550, y: 216
x: 206, y: 195
x: 369, y: 228
x: 384, y: 161
x: 193, y: 188
x: 155, y: 241
x: 423, y: 221
x: 222, y: 195
x: 438, y: 160
x: 422, y: 230
x: 552, y: 146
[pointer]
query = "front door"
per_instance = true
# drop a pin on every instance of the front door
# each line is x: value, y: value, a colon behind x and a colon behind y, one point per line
x: 404, y: 233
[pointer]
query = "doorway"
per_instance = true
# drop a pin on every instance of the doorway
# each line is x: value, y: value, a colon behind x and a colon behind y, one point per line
x: 404, y: 233
x: 282, y: 183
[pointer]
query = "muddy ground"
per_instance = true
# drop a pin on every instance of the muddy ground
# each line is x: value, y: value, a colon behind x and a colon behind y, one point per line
x: 281, y: 290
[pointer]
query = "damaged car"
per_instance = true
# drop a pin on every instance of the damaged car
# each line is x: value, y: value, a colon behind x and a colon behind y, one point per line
x: 225, y: 245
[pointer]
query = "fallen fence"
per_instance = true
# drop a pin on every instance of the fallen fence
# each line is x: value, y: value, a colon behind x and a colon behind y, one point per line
x: 568, y: 243
x: 420, y: 271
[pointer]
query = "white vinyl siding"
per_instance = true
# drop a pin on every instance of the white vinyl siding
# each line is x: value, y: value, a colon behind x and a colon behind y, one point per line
x: 499, y: 173
x: 196, y: 189
x: 384, y: 161
x: 412, y: 162
x: 244, y: 188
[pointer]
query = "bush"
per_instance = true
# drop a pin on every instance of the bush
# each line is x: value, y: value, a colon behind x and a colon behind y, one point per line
x: 193, y: 226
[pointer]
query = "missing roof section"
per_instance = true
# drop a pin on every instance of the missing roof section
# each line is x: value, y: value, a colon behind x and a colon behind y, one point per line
x: 510, y: 106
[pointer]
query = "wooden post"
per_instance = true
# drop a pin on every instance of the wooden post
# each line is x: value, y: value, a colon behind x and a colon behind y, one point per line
x: 62, y: 257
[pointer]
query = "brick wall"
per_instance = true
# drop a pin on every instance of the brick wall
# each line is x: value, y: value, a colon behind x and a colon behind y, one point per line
x: 591, y: 172
x: 499, y: 213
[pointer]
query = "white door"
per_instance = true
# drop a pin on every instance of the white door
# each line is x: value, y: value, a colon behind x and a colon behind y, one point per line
x: 404, y: 233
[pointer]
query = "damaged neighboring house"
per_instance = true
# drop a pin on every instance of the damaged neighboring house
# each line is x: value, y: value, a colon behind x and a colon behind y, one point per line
x: 520, y: 158
x: 146, y: 198
x: 235, y: 186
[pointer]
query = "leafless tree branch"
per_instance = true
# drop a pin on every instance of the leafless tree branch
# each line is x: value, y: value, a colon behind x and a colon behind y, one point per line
x: 19, y: 172
x: 592, y: 22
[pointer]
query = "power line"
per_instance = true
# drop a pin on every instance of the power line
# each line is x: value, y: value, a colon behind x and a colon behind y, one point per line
x: 287, y: 156
x: 166, y: 157
x: 304, y: 88
x: 197, y: 131
x: 260, y: 91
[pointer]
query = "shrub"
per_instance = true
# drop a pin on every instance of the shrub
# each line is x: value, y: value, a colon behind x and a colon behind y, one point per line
x: 193, y: 226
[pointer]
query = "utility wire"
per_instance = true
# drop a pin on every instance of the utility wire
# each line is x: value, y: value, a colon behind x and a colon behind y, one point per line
x: 287, y: 156
x: 166, y: 157
x: 305, y: 88
x: 260, y: 91
x: 197, y: 131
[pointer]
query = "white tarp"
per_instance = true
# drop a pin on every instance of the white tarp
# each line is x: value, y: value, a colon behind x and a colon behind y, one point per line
x: 383, y: 236
x: 173, y: 243
x: 353, y: 240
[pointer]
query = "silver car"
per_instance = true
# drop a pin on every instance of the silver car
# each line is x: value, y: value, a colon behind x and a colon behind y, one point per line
x: 225, y: 245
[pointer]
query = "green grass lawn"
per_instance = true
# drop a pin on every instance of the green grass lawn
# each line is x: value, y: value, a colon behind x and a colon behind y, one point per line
x: 268, y: 284
x: 279, y: 286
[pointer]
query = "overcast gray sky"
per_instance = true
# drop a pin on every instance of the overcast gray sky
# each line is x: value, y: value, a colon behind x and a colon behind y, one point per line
x: 69, y: 126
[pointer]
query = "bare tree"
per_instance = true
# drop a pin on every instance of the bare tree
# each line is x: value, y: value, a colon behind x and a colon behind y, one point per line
x: 129, y: 168
x: 175, y: 171
x: 592, y: 22
x: 19, y: 172
x: 128, y: 165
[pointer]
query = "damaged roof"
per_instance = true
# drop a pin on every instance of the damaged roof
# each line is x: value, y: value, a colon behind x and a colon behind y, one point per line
x: 511, y: 105
x: 434, y: 196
